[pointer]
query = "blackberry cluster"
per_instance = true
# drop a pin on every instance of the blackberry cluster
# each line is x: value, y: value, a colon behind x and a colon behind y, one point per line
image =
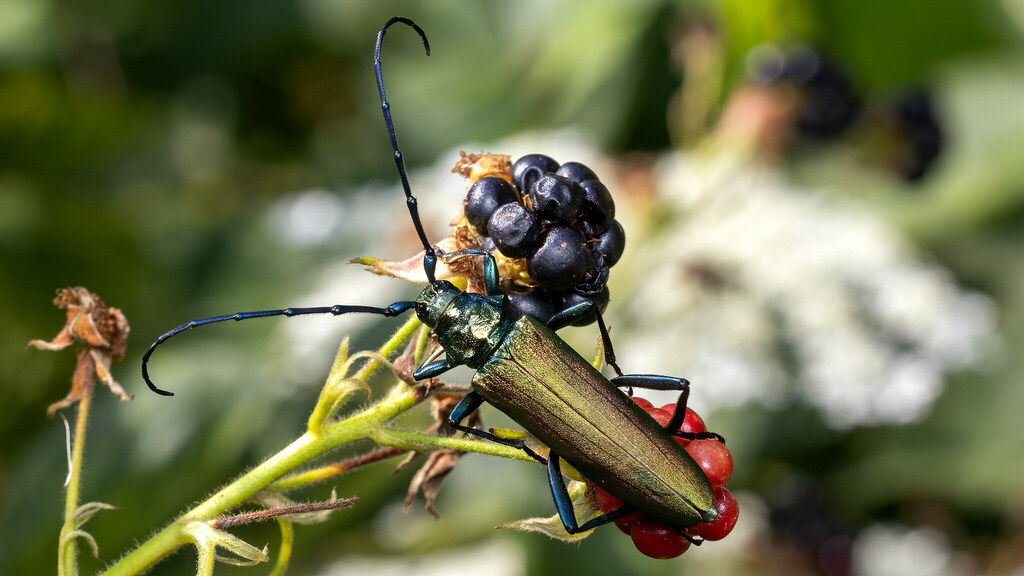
x: 830, y: 104
x: 556, y: 224
x: 830, y: 101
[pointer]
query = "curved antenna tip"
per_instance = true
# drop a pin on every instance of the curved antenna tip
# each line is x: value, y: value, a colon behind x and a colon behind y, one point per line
x: 407, y: 22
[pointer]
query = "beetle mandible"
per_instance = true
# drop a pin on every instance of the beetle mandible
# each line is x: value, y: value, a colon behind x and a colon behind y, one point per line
x: 558, y: 396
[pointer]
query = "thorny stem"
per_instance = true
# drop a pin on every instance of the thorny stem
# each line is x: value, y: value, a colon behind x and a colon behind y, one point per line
x: 370, y: 423
x: 68, y: 560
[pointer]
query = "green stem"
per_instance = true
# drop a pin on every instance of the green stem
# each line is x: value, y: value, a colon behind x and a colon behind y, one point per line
x: 367, y: 424
x: 302, y: 450
x: 426, y: 442
x: 391, y: 347
x: 68, y: 561
x: 285, y: 553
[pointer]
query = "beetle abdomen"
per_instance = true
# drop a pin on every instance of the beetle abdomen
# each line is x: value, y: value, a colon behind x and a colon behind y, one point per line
x: 544, y: 385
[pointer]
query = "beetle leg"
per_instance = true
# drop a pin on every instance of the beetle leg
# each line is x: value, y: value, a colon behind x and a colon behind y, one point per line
x: 658, y: 382
x: 576, y: 313
x: 492, y: 284
x: 469, y: 403
x: 563, y: 503
x: 432, y: 369
x: 570, y: 315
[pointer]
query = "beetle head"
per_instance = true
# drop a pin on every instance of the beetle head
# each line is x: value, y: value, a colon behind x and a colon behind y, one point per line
x: 434, y: 300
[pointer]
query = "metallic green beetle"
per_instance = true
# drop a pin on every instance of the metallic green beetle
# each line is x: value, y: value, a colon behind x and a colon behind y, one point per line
x: 526, y: 371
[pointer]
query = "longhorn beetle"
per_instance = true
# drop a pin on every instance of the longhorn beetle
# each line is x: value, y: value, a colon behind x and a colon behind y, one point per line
x: 525, y: 370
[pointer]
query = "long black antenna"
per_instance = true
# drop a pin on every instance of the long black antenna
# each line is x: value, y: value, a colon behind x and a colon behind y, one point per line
x: 429, y: 254
x: 429, y: 257
x: 336, y: 310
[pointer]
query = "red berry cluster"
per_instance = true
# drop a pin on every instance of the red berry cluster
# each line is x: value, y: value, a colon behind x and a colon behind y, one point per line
x: 657, y: 539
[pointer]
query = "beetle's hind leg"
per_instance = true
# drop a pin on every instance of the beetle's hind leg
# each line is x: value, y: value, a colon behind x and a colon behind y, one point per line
x: 563, y: 502
x: 469, y: 403
x: 574, y: 314
x: 658, y: 382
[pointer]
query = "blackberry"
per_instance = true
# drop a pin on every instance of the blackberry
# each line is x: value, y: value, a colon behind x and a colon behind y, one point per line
x: 484, y: 197
x: 920, y: 126
x: 556, y: 199
x: 561, y: 261
x: 831, y: 104
x: 576, y: 172
x: 611, y: 243
x: 530, y: 168
x: 514, y: 229
x: 560, y: 219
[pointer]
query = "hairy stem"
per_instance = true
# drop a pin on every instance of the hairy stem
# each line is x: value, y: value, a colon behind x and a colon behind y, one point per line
x: 370, y: 423
x: 68, y: 560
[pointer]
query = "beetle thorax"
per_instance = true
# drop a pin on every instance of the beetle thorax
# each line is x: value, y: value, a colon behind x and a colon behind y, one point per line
x: 469, y: 326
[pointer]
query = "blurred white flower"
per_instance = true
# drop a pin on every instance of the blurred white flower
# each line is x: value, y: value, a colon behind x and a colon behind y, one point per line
x: 749, y: 287
x: 495, y: 557
x: 898, y: 551
x: 755, y: 290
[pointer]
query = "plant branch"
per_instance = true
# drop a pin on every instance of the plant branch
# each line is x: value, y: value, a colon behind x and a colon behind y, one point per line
x: 68, y: 549
x: 199, y: 524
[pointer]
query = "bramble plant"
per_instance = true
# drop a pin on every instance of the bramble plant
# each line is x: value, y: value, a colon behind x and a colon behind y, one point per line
x: 206, y: 525
x: 530, y: 254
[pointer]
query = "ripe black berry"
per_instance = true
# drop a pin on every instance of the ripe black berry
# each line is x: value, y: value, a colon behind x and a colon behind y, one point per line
x: 561, y: 261
x: 576, y: 172
x: 599, y: 300
x: 924, y: 140
x: 611, y: 243
x: 598, y: 209
x: 831, y: 104
x: 556, y: 199
x: 514, y: 229
x: 530, y: 302
x: 530, y: 168
x: 484, y: 197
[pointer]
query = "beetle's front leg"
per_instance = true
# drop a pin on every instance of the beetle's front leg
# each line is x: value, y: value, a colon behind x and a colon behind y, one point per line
x: 563, y: 503
x: 469, y: 404
x: 432, y: 369
x: 492, y: 284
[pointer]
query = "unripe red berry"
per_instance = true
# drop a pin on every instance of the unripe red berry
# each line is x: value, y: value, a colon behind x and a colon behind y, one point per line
x: 662, y: 417
x: 722, y: 525
x: 607, y: 503
x: 642, y: 402
x: 713, y: 458
x: 657, y: 539
x: 692, y: 424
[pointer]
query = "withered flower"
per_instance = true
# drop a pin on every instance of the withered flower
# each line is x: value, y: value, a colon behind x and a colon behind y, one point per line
x: 103, y: 329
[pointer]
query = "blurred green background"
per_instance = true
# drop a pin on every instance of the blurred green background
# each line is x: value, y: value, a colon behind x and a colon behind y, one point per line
x: 147, y: 151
